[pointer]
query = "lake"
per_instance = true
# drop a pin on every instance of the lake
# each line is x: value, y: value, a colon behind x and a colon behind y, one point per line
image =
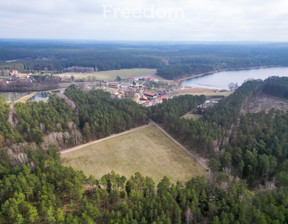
x: 44, y: 96
x: 40, y: 96
x: 13, y: 96
x: 221, y: 80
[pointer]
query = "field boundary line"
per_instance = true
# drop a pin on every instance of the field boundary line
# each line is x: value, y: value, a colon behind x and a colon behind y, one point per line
x: 182, y: 147
x: 103, y: 139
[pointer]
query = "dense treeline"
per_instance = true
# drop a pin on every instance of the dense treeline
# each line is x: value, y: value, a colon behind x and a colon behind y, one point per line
x: 101, y: 116
x: 196, y: 59
x: 43, y: 191
x: 252, y: 146
x: 60, y: 56
x: 92, y: 113
x: 276, y: 86
x: 180, y: 71
x: 18, y: 86
x: 35, y: 119
x: 208, y: 133
x: 257, y: 150
x: 172, y: 60
x: 178, y: 106
x: 5, y: 126
x: 227, y: 111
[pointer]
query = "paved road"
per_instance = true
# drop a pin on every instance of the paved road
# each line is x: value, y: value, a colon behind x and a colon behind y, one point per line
x: 103, y: 139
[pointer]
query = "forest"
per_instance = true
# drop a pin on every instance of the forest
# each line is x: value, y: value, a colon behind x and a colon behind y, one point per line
x: 92, y: 115
x: 172, y: 60
x: 248, y: 162
x: 43, y: 191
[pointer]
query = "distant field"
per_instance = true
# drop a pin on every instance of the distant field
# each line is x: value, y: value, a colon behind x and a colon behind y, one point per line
x: 112, y: 74
x: 201, y: 91
x: 147, y: 150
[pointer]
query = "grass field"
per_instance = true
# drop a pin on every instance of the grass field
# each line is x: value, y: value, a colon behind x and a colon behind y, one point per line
x: 111, y: 75
x: 148, y: 151
x: 202, y: 91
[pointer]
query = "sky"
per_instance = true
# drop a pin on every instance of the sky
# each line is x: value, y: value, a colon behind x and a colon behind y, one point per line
x: 145, y: 20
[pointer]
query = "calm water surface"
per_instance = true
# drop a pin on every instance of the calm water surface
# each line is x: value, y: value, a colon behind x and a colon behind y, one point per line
x: 221, y: 80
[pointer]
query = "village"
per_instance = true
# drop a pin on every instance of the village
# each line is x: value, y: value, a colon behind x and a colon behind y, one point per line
x: 140, y: 90
x: 15, y: 76
x: 147, y: 90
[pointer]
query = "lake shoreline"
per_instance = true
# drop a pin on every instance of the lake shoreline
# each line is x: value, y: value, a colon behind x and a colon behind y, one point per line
x: 179, y: 81
x: 223, y: 78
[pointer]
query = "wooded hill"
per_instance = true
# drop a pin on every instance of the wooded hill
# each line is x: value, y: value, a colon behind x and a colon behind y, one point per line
x: 68, y: 120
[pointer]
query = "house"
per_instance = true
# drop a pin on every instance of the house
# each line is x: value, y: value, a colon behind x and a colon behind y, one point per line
x: 146, y: 104
x: 14, y: 72
x: 152, y: 102
x: 151, y: 95
x: 161, y: 92
x: 167, y: 97
x: 159, y: 100
x: 125, y: 85
x: 143, y: 98
x: 115, y: 93
x: 113, y: 85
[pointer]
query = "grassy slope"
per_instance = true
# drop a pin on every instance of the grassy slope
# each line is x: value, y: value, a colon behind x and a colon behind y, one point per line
x: 147, y: 150
x: 111, y: 75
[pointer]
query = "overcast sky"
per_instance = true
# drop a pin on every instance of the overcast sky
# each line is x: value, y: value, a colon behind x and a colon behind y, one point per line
x: 146, y: 20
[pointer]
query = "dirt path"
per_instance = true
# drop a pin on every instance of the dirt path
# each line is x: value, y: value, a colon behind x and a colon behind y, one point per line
x: 103, y: 139
x: 25, y: 98
x: 181, y: 146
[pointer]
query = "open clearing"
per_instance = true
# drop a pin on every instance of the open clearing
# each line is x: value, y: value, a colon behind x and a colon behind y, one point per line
x: 148, y: 151
x: 202, y: 91
x: 192, y: 116
x: 112, y: 74
x: 264, y: 102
